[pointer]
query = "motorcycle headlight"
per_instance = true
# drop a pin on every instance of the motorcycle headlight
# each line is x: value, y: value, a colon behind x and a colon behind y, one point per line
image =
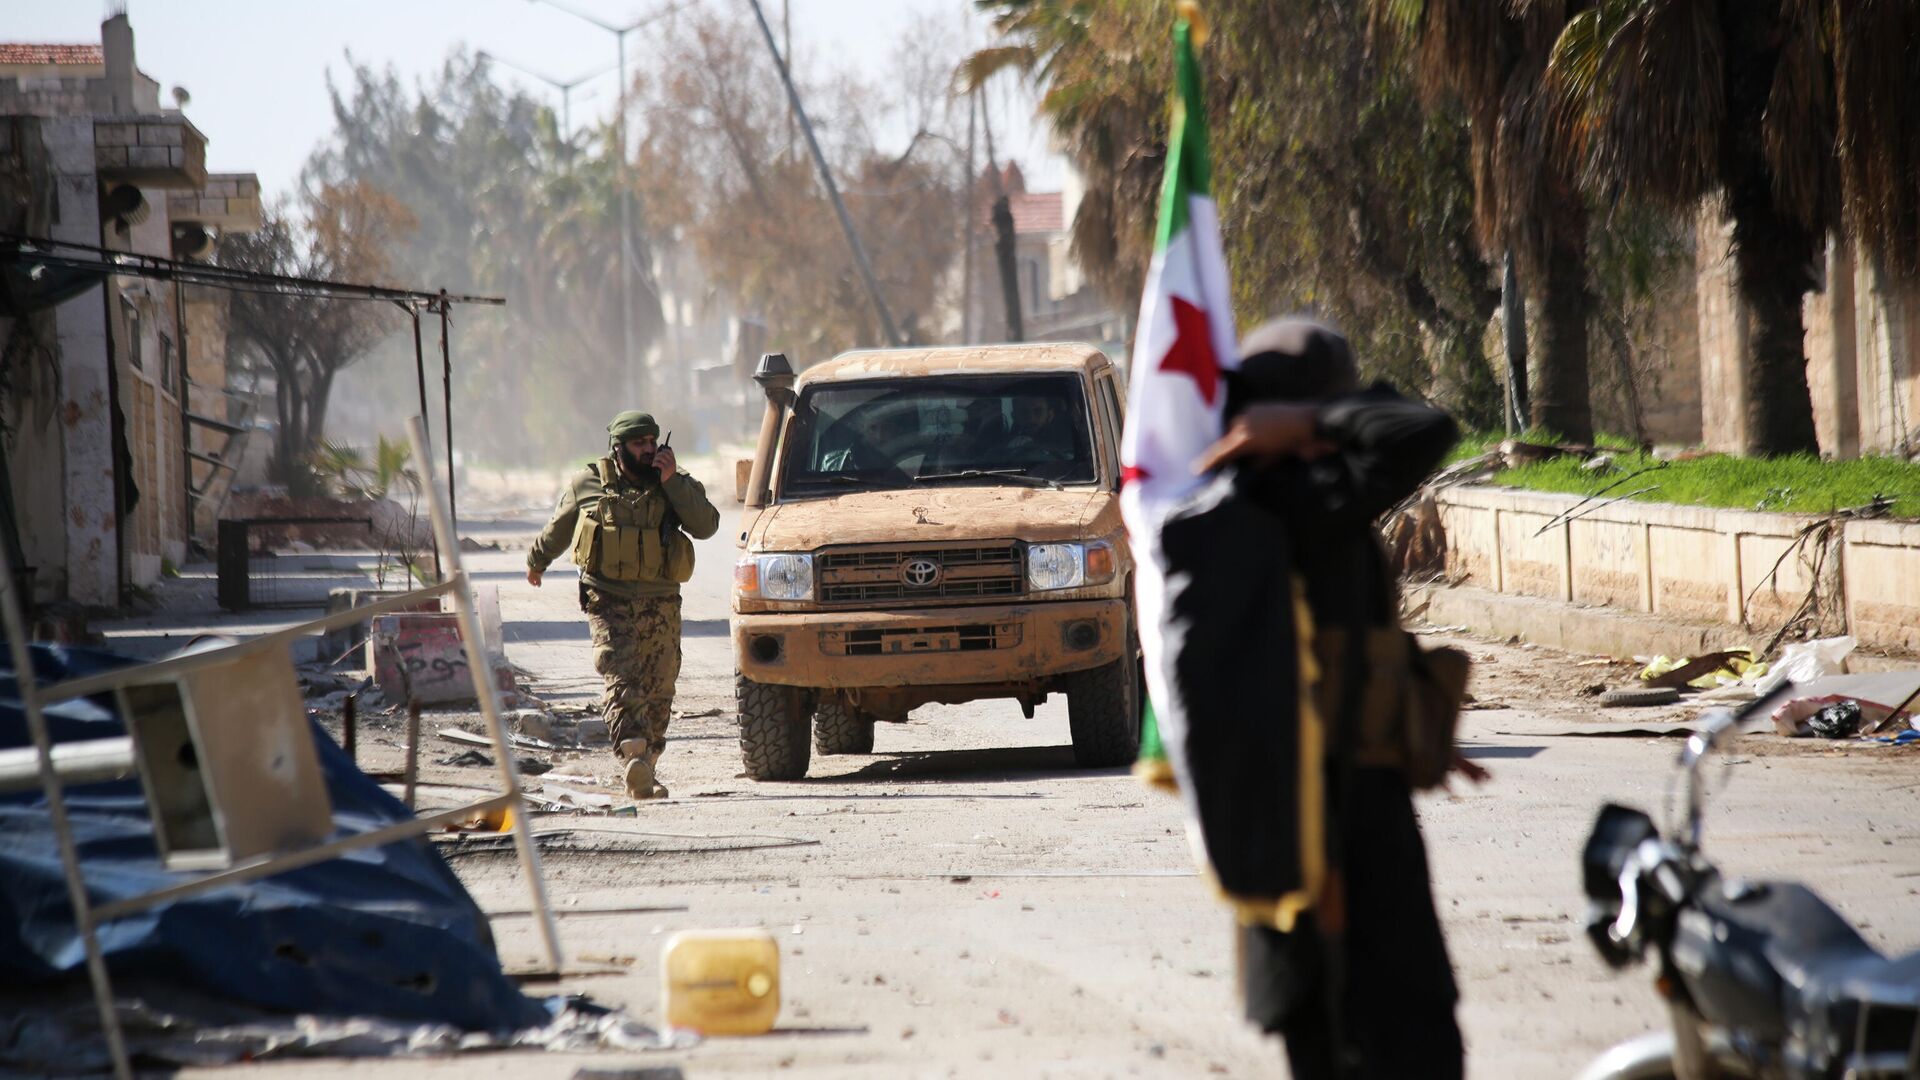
x: 783, y: 576
x: 1056, y: 566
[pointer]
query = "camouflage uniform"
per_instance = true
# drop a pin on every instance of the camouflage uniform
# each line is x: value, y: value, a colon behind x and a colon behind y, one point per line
x: 624, y: 532
x: 636, y: 649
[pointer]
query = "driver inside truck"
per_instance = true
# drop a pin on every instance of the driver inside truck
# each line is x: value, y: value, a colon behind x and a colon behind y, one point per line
x: 1038, y: 434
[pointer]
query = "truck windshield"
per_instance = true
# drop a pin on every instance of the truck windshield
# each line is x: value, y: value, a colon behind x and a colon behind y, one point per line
x: 895, y: 433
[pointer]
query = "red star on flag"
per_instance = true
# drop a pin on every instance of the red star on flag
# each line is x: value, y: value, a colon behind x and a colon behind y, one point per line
x: 1191, y: 353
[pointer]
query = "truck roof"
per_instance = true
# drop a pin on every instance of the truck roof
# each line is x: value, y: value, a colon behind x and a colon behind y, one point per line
x: 958, y: 360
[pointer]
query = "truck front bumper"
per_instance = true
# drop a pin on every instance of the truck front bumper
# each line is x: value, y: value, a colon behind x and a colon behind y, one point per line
x: 998, y: 644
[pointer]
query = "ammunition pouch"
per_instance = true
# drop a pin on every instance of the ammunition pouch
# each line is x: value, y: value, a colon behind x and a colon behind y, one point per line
x: 632, y: 539
x: 1409, y: 705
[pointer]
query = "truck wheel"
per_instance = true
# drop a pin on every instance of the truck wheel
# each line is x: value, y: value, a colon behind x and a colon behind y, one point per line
x: 838, y: 729
x: 1103, y: 713
x: 773, y: 730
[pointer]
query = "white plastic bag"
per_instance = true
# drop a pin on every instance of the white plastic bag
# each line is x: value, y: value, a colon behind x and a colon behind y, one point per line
x: 1804, y: 661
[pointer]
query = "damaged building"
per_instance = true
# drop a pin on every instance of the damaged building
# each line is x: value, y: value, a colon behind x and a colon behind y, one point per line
x: 112, y: 387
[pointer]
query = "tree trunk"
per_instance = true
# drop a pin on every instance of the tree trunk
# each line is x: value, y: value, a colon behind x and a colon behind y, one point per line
x: 1561, y: 391
x: 1773, y: 253
x: 1772, y: 256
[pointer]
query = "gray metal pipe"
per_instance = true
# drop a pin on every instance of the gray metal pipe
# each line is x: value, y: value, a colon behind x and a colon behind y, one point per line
x: 94, y: 761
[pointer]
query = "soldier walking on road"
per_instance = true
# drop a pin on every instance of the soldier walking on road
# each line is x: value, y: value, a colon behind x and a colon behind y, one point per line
x: 626, y: 520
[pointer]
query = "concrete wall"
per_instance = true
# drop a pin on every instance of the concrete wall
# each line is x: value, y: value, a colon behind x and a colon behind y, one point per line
x: 92, y: 553
x: 1683, y: 561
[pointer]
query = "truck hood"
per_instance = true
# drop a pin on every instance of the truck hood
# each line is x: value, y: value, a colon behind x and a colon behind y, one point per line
x: 997, y: 512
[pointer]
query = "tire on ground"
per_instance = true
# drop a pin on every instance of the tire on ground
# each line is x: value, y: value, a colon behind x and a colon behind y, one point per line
x: 773, y: 730
x: 1103, y: 713
x: 1639, y: 695
x: 840, y: 729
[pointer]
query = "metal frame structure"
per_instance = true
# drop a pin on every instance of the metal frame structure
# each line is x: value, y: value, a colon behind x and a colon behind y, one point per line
x: 89, y: 917
x: 40, y: 251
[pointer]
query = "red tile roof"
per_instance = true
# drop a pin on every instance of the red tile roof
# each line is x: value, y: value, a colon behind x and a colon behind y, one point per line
x: 22, y: 53
x: 1032, y: 213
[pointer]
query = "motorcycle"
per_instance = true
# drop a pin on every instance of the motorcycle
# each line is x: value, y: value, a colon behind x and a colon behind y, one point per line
x: 1762, y: 979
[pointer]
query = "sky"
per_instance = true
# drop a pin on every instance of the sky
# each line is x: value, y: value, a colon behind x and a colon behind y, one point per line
x: 257, y: 69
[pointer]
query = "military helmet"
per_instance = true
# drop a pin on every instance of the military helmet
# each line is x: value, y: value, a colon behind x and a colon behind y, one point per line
x: 632, y: 424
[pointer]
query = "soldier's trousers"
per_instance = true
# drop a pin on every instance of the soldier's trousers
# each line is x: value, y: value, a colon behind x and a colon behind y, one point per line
x: 636, y: 649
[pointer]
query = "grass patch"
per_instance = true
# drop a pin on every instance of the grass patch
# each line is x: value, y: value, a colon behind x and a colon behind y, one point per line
x: 1800, y: 484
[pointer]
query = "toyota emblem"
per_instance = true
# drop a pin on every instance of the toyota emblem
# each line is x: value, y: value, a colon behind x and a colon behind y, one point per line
x: 920, y: 573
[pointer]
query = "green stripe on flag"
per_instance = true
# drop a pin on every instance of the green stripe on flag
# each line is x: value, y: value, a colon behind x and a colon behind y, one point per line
x: 1189, y: 167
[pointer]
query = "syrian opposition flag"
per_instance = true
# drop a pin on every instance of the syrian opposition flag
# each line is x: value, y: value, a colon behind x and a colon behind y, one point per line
x: 1183, y: 341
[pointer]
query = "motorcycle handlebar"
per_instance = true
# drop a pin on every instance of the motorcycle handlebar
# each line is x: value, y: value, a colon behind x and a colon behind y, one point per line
x: 1707, y: 737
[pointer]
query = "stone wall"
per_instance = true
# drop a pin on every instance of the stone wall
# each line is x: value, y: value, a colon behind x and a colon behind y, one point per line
x: 1688, y: 562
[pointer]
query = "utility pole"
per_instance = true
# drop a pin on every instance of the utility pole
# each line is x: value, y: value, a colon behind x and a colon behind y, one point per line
x: 826, y: 178
x: 1003, y: 238
x: 786, y: 34
x: 626, y: 193
x: 967, y: 215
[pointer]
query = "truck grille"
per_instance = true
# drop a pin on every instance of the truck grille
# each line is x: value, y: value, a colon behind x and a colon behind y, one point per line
x: 930, y: 639
x: 920, y: 575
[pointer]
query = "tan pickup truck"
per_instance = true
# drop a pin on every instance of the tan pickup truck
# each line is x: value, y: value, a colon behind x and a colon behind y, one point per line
x: 934, y: 525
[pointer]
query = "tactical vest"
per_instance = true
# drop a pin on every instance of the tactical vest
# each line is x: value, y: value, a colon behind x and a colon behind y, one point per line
x: 631, y: 535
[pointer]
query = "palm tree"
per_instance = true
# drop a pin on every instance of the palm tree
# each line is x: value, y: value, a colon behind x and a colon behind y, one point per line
x: 1104, y: 100
x: 1492, y: 57
x: 1801, y: 115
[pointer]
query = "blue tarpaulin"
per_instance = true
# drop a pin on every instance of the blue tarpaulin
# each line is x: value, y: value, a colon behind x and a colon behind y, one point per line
x: 386, y: 932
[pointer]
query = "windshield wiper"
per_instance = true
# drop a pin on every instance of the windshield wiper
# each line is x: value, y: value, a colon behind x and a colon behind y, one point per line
x: 1017, y: 475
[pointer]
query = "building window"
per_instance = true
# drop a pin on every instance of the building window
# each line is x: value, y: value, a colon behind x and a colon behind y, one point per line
x: 132, y: 319
x: 166, y: 363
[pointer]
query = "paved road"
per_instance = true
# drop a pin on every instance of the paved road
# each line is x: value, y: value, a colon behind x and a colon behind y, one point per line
x: 964, y: 902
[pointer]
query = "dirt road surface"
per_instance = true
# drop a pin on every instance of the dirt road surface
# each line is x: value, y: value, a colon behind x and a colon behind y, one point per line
x: 964, y: 902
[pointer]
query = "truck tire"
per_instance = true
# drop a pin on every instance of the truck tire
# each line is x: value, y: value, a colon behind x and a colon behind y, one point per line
x: 773, y: 730
x: 838, y: 729
x: 1103, y: 714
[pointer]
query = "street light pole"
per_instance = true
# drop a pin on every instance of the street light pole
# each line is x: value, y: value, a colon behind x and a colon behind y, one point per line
x: 566, y: 88
x: 626, y: 196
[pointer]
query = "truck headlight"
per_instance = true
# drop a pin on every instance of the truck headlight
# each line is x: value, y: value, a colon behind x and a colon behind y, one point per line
x: 785, y: 576
x: 1067, y: 566
x: 1056, y: 566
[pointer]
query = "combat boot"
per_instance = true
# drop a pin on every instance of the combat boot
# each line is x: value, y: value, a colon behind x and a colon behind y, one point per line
x: 640, y: 783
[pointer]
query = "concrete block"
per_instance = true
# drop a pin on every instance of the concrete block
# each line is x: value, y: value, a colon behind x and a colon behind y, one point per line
x: 1609, y: 564
x: 1533, y: 563
x: 148, y: 157
x: 531, y: 723
x: 592, y: 731
x: 110, y: 157
x: 1883, y: 593
x: 338, y: 642
x: 422, y: 655
x: 160, y: 134
x: 1770, y: 601
x: 1690, y: 576
x: 1473, y: 544
x: 116, y: 135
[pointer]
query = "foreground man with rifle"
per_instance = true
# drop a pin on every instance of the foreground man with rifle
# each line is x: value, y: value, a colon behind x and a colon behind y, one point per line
x: 629, y: 521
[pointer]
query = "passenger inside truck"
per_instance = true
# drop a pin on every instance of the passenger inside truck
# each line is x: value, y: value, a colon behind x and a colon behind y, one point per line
x: 1030, y: 429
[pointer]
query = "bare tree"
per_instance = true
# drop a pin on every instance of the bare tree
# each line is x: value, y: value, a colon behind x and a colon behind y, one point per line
x: 306, y: 341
